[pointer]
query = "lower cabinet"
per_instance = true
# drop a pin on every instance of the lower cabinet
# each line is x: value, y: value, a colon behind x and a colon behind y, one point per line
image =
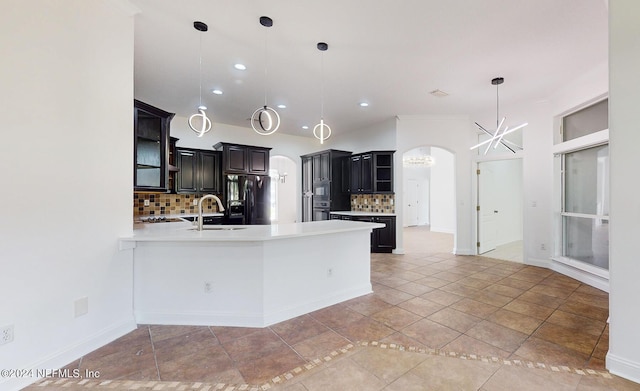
x: 383, y: 240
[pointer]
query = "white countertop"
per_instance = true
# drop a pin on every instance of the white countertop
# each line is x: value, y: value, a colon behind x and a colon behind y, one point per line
x: 354, y: 213
x: 186, y: 232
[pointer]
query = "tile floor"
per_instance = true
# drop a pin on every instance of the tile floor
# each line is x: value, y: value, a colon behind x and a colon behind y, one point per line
x: 435, y: 321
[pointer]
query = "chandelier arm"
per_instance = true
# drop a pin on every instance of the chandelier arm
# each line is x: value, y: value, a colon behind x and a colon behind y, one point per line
x: 501, y: 141
x: 512, y: 144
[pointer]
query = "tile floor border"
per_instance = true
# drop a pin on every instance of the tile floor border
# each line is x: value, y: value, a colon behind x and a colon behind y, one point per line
x: 487, y: 359
x: 158, y: 385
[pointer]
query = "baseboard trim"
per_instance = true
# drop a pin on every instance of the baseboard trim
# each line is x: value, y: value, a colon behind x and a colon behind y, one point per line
x: 463, y: 251
x: 442, y: 230
x: 546, y: 263
x: 580, y: 275
x: 70, y: 353
x: 622, y: 367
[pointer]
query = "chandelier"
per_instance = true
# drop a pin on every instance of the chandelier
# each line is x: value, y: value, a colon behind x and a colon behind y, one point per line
x: 199, y: 122
x: 420, y: 160
x: 265, y: 120
x: 322, y: 131
x: 497, y: 137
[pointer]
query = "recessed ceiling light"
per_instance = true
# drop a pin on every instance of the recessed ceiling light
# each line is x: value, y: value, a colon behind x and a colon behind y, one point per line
x: 282, y: 106
x: 364, y: 104
x: 438, y: 93
x: 217, y: 91
x: 240, y: 67
x: 305, y: 127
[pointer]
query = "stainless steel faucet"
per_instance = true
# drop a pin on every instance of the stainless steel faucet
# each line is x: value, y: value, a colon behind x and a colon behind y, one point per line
x: 220, y: 208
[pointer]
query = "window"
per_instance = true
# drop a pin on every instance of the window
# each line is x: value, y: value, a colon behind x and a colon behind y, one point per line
x: 586, y: 121
x: 585, y: 215
x: 583, y: 152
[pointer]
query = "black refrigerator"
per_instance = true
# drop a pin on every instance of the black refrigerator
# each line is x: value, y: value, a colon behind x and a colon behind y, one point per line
x: 247, y: 199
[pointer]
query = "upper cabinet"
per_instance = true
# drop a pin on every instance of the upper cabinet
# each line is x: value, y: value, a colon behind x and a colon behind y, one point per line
x: 151, y: 147
x: 322, y: 166
x: 361, y: 178
x: 199, y: 171
x: 372, y: 172
x: 244, y: 159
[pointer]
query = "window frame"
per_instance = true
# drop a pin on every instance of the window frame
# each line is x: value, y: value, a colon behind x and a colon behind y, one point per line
x: 560, y: 149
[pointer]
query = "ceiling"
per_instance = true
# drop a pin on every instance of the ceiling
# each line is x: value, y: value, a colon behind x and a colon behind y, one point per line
x: 390, y: 54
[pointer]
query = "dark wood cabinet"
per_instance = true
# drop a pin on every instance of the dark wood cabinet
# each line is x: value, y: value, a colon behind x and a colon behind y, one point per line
x: 307, y: 188
x: 383, y: 240
x: 199, y: 171
x: 244, y: 159
x: 372, y: 172
x: 325, y: 184
x: 322, y: 166
x: 361, y: 178
x: 150, y: 147
x: 173, y: 168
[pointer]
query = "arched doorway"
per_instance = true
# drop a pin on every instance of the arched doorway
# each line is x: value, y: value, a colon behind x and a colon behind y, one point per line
x: 429, y: 218
x: 284, y: 183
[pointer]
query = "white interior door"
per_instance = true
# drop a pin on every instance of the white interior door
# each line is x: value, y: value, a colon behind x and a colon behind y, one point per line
x: 487, y: 219
x: 411, y: 203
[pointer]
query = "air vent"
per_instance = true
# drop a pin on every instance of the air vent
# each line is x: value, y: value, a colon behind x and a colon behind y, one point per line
x: 438, y: 93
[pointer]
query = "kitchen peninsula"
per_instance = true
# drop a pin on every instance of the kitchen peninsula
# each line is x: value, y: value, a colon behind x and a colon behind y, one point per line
x: 248, y: 276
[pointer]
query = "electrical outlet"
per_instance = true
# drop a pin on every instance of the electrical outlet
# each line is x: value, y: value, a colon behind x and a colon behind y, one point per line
x: 6, y: 334
x: 543, y: 247
x: 208, y: 287
x: 195, y: 202
x: 329, y: 272
x: 146, y: 202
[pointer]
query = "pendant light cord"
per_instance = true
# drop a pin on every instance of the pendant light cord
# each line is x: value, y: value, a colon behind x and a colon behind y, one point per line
x: 497, y: 106
x: 321, y: 85
x: 266, y: 60
x: 200, y: 77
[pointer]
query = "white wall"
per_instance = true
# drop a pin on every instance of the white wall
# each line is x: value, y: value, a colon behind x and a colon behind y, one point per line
x: 455, y: 134
x: 442, y: 201
x: 380, y: 136
x: 67, y: 83
x: 624, y: 61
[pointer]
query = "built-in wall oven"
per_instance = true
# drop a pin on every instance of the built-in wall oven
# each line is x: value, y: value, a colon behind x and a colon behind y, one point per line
x: 321, y: 209
x: 321, y: 190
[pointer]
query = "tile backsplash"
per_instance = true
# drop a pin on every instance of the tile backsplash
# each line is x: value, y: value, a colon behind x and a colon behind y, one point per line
x: 374, y: 203
x: 169, y: 204
x: 174, y: 204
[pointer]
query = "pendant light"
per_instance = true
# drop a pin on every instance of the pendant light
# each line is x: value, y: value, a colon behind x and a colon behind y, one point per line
x: 199, y: 122
x: 322, y: 131
x: 497, y: 137
x: 265, y: 120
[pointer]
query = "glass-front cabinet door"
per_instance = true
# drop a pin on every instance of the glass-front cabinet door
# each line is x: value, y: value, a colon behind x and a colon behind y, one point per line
x: 151, y: 147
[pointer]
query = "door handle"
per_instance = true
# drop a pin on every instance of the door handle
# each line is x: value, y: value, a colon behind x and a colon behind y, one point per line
x: 495, y: 211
